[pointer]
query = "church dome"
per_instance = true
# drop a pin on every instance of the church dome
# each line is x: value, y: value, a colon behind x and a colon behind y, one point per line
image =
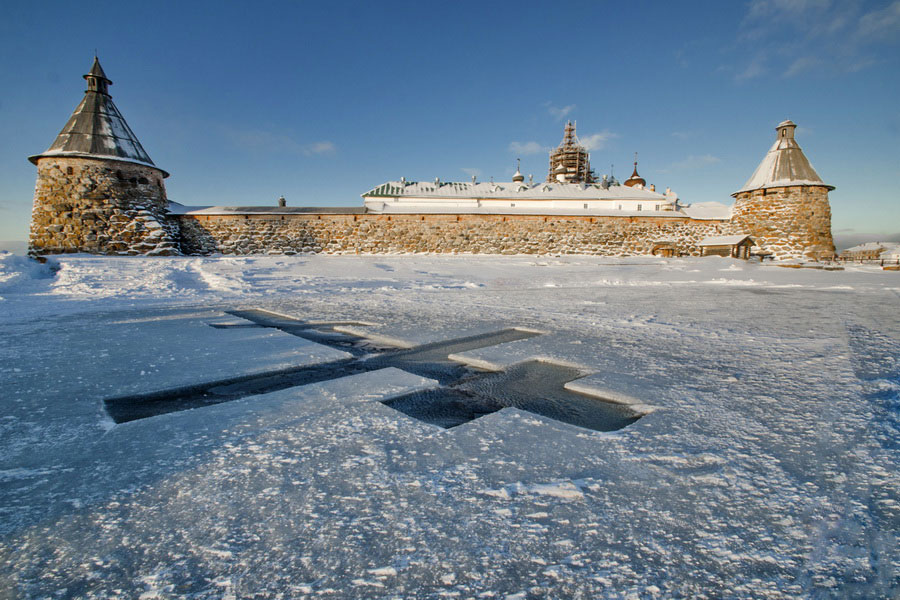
x: 635, y: 179
x: 518, y: 177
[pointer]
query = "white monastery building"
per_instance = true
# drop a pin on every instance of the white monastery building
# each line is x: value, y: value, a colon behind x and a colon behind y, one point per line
x: 571, y: 188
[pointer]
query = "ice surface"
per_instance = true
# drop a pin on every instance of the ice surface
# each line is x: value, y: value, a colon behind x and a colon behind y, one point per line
x: 767, y: 470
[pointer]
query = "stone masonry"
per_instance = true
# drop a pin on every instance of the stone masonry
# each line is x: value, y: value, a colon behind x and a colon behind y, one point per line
x: 789, y: 222
x: 477, y: 234
x: 98, y: 191
x: 100, y: 206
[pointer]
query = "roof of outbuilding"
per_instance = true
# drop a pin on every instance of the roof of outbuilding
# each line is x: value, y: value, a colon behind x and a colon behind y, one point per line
x: 97, y: 129
x: 784, y: 164
x: 723, y: 240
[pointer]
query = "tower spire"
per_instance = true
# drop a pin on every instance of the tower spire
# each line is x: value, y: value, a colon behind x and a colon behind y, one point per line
x: 96, y: 79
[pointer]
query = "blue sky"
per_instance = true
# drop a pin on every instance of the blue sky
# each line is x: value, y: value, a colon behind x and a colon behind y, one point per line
x: 243, y: 102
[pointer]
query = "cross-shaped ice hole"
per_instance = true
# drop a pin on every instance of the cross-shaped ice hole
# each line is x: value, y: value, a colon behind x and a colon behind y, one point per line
x: 464, y: 393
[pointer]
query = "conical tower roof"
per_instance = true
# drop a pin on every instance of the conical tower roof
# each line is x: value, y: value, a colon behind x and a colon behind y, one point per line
x: 784, y: 164
x: 97, y: 129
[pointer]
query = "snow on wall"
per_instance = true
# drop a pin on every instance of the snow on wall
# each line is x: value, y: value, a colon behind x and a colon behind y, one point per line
x: 100, y: 206
x: 478, y: 234
x: 789, y: 222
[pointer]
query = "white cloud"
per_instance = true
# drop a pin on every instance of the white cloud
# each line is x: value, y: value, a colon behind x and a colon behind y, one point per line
x: 751, y: 71
x: 559, y: 113
x: 817, y: 37
x: 319, y: 148
x: 693, y: 162
x: 881, y: 24
x: 804, y: 63
x: 597, y: 141
x: 683, y: 135
x: 525, y: 148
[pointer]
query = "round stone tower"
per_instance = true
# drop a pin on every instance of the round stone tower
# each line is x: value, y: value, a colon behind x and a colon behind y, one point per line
x: 784, y: 205
x: 97, y: 189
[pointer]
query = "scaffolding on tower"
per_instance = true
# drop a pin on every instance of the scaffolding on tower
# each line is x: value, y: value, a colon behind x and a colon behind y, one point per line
x: 570, y: 161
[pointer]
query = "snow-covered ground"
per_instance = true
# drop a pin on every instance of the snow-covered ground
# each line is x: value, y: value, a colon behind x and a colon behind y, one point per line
x: 768, y: 467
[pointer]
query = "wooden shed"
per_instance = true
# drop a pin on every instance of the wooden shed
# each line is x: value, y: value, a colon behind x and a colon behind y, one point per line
x: 735, y: 246
x: 665, y: 249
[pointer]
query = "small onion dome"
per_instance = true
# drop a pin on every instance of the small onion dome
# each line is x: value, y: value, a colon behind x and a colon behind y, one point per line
x: 635, y: 179
x: 518, y: 177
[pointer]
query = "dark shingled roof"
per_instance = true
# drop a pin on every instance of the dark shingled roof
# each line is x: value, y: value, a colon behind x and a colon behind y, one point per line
x: 97, y: 129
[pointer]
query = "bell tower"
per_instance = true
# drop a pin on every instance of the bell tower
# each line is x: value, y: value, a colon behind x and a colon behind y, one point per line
x: 570, y: 162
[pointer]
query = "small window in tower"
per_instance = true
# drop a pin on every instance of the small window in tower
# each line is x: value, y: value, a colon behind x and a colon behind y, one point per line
x: 143, y: 181
x: 70, y: 171
x: 512, y: 204
x: 119, y: 175
x: 639, y: 207
x: 657, y: 208
x: 585, y: 205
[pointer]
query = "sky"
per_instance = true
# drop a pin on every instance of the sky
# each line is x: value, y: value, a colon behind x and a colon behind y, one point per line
x: 320, y: 102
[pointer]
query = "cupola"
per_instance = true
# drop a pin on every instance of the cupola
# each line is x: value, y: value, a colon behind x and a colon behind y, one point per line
x: 518, y: 177
x: 635, y: 179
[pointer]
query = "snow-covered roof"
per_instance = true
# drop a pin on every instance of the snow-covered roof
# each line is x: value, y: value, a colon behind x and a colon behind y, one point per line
x: 444, y: 209
x: 513, y: 190
x: 713, y: 211
x: 868, y: 246
x: 885, y: 249
x: 784, y: 164
x: 97, y: 129
x: 180, y: 209
x: 723, y: 240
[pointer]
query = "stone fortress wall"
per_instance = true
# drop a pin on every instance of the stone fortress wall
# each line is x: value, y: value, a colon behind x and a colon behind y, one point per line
x: 97, y: 191
x: 101, y: 206
x: 476, y: 234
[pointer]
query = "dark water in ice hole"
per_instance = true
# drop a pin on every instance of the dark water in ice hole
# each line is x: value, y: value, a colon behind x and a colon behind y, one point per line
x: 466, y: 393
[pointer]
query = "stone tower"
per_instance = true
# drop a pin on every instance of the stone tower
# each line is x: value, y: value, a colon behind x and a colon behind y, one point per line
x: 97, y: 189
x: 570, y: 162
x: 784, y: 205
